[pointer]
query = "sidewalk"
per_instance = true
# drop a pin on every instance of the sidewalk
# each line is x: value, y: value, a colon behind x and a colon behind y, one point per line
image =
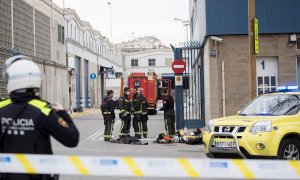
x: 84, y: 112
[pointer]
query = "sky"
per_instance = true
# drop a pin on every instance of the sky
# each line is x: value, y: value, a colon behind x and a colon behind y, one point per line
x: 134, y: 18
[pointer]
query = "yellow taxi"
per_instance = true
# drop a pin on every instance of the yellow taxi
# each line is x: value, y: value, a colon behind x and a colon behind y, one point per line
x: 268, y: 127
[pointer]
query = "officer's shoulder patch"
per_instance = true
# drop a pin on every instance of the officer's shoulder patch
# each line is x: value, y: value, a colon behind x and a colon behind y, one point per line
x: 5, y: 102
x: 42, y: 105
x: 62, y: 122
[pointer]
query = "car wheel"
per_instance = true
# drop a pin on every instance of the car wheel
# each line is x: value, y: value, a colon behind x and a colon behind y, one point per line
x: 289, y: 149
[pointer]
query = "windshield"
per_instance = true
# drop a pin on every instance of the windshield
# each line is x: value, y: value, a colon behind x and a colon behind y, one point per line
x: 273, y: 105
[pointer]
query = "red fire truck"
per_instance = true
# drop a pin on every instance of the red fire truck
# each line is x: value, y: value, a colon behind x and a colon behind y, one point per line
x: 149, y: 86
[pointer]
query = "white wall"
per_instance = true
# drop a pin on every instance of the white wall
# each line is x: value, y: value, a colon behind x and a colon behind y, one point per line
x: 159, y: 55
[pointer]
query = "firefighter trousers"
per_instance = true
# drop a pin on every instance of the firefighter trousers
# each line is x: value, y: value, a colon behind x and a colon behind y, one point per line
x: 170, y: 124
x: 137, y: 125
x: 125, y: 126
x: 144, y: 125
x: 109, y: 125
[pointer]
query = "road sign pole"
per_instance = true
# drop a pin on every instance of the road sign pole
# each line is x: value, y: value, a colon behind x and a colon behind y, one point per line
x: 179, y: 94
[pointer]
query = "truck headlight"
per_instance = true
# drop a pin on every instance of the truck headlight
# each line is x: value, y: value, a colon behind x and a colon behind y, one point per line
x: 261, y: 126
x: 210, y: 126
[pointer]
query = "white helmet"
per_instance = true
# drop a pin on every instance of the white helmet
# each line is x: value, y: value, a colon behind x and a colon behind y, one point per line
x: 22, y: 73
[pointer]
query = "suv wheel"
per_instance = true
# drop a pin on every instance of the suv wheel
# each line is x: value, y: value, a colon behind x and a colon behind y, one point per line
x: 289, y: 150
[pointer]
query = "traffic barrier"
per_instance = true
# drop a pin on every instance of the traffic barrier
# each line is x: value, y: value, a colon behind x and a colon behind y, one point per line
x: 149, y: 167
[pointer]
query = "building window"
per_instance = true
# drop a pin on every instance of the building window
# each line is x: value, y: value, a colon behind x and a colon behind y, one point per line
x: 151, y: 62
x: 298, y: 43
x: 60, y: 33
x: 168, y: 61
x: 134, y: 62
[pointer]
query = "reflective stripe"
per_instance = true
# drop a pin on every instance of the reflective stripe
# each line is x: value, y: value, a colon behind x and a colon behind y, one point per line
x: 40, y: 105
x: 144, y: 113
x: 106, y: 113
x: 5, y: 103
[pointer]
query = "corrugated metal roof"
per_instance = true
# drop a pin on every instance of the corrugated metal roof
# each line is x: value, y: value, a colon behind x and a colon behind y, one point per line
x: 230, y: 16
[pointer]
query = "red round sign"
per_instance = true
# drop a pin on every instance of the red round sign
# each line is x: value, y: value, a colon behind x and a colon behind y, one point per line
x: 178, y: 66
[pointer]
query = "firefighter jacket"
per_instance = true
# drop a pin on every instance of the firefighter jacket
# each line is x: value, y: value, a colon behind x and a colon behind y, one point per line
x: 137, y: 103
x: 144, y: 105
x: 168, y: 104
x: 27, y: 122
x: 108, y: 107
x: 124, y: 105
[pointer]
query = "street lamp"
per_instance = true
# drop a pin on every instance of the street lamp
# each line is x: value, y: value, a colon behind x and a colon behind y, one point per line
x: 109, y: 4
x: 185, y: 23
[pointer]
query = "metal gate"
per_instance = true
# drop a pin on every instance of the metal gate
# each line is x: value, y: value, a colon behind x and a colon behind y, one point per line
x: 189, y: 95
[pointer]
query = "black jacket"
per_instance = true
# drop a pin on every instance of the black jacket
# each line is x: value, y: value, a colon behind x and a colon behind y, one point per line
x: 30, y: 132
x: 168, y: 103
x: 124, y: 104
x: 137, y: 102
x: 108, y: 106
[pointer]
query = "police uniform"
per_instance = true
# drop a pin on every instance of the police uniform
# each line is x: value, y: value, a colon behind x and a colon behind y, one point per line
x: 144, y: 117
x: 108, y: 112
x: 169, y: 115
x: 26, y: 125
x: 137, y: 114
x: 125, y: 115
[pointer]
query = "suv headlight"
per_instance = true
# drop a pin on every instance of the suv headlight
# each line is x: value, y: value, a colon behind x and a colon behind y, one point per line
x: 261, y: 126
x: 210, y: 126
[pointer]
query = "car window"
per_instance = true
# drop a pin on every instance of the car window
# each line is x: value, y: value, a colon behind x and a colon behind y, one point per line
x: 273, y: 105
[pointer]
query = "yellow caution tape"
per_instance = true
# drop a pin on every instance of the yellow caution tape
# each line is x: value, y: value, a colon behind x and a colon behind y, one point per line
x: 188, y: 167
x: 243, y: 168
x: 26, y: 164
x: 79, y: 165
x: 295, y: 165
x: 133, y: 166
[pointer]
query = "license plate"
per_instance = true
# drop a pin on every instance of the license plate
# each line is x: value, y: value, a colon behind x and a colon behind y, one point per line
x: 225, y: 144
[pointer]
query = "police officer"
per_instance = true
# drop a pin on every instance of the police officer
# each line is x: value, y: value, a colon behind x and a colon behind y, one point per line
x: 27, y: 121
x: 144, y: 116
x: 108, y: 112
x: 137, y: 113
x: 169, y: 113
x: 125, y: 113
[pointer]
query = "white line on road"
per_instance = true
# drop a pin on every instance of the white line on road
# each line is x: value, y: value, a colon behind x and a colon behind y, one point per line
x: 94, y: 137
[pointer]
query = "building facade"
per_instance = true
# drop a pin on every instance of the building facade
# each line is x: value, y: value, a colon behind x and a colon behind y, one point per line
x: 90, y: 53
x: 147, y: 54
x: 226, y: 64
x: 32, y: 27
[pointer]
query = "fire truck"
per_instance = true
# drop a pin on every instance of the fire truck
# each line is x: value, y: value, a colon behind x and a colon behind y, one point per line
x: 149, y: 86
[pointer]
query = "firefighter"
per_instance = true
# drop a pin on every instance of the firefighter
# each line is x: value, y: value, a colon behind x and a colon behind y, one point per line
x: 27, y: 122
x: 137, y: 113
x: 144, y: 116
x: 169, y: 113
x: 108, y: 112
x: 125, y: 113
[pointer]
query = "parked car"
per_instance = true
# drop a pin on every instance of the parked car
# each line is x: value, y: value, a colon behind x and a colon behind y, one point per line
x: 268, y: 127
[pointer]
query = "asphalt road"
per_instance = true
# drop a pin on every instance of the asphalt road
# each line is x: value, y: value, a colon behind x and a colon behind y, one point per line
x: 91, y: 129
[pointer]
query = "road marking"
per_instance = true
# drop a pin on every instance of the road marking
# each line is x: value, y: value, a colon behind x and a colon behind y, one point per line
x: 189, y: 169
x: 244, y: 169
x: 25, y: 163
x: 79, y: 165
x: 96, y: 135
x: 133, y: 166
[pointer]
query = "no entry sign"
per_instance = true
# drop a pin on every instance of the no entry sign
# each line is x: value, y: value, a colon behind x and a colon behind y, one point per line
x: 178, y: 66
